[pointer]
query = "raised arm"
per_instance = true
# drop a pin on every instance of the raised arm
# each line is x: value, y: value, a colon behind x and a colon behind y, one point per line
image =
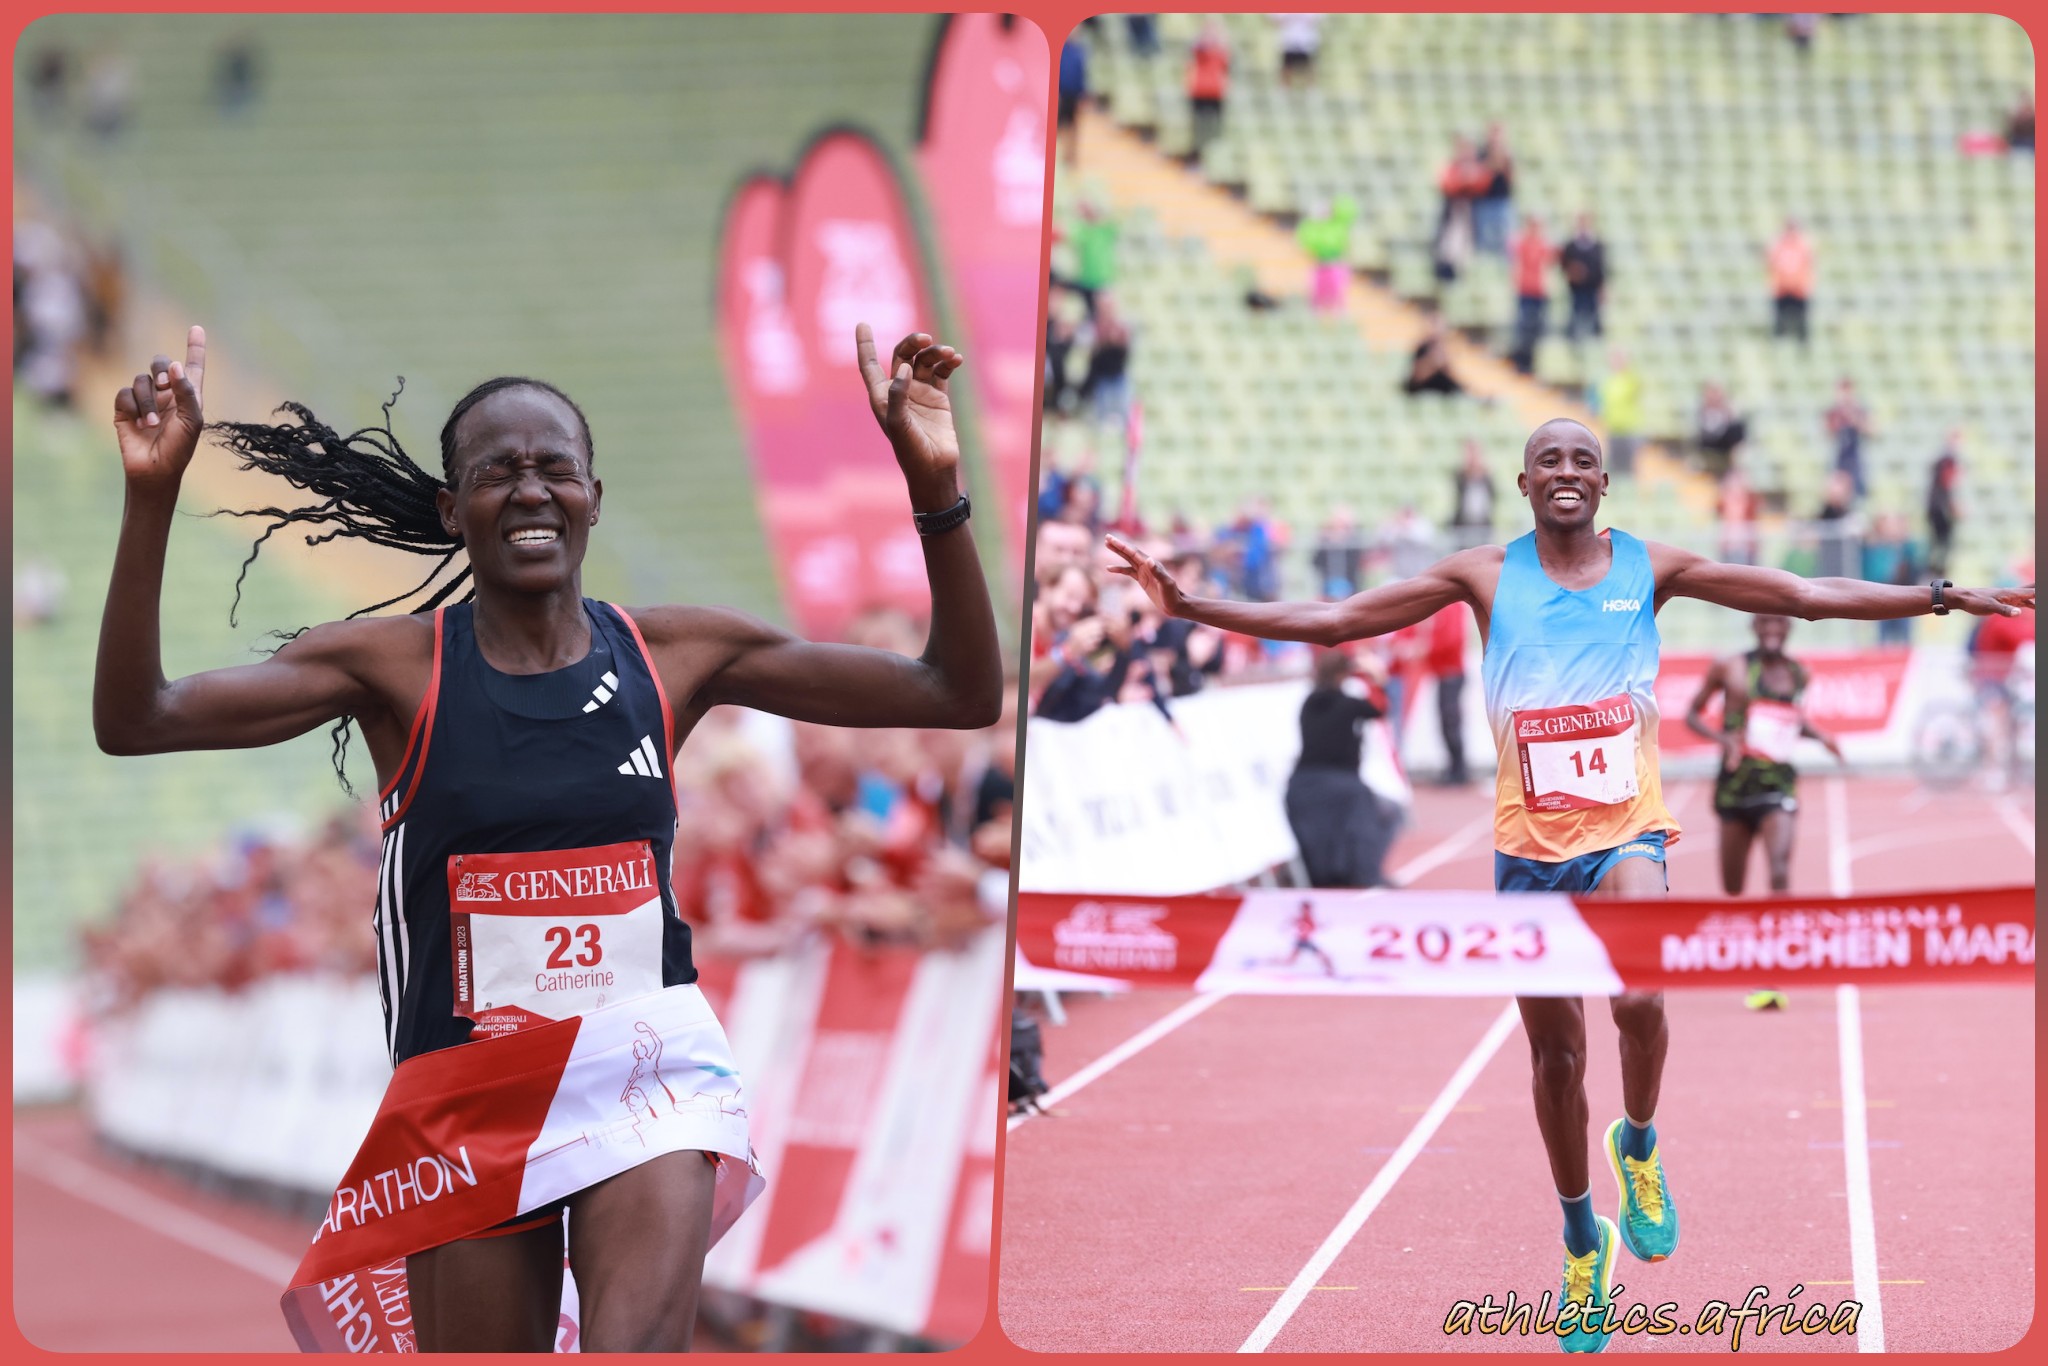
x: 958, y: 681
x: 1752, y: 588
x: 135, y: 709
x: 1374, y: 612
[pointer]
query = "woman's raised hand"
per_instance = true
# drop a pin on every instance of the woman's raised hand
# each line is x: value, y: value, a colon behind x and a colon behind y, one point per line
x: 909, y: 401
x: 158, y: 418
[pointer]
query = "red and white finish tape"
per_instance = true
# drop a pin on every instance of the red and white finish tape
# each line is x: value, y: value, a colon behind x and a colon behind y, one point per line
x: 1448, y: 943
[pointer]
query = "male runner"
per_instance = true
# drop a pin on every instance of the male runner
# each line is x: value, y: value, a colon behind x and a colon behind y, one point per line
x: 1568, y: 617
x: 1762, y: 693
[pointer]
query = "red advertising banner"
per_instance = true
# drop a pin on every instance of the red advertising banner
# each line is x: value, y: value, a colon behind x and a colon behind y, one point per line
x: 1158, y: 941
x: 801, y: 265
x: 981, y: 157
x: 1848, y: 692
x: 960, y: 1298
x: 1982, y: 935
x: 874, y: 1117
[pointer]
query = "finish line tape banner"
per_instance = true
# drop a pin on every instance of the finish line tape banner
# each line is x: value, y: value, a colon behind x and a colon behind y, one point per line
x: 872, y: 1097
x: 468, y: 1138
x: 1430, y: 943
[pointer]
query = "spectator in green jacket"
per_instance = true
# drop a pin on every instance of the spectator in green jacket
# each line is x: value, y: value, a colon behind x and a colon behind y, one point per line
x: 1618, y: 399
x: 1095, y: 251
x: 1325, y: 234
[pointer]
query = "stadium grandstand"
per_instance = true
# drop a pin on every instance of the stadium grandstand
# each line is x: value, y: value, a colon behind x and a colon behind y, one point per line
x: 350, y: 204
x: 1691, y: 140
x: 394, y: 257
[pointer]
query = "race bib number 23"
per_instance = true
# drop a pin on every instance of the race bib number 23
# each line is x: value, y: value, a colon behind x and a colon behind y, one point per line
x: 543, y: 936
x: 1573, y: 758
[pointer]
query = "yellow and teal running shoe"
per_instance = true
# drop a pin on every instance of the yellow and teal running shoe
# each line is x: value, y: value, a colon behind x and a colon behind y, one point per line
x: 1588, y: 1281
x: 1648, y: 1219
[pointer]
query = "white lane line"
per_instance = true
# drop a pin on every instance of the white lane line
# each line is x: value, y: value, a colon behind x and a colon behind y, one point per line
x: 1855, y: 1112
x: 1856, y: 1163
x: 1958, y: 835
x: 2015, y: 820
x: 1433, y: 857
x: 82, y: 1181
x: 1839, y: 858
x: 1437, y: 855
x: 1124, y: 1052
x: 1383, y: 1181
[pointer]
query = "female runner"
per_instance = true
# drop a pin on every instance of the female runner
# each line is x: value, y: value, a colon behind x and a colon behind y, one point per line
x: 523, y: 739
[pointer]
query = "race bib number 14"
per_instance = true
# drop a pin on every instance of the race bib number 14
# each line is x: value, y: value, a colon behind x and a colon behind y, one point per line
x: 1573, y: 758
x: 543, y: 936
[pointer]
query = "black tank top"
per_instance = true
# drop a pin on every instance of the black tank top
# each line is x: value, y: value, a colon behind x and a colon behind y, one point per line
x: 501, y: 763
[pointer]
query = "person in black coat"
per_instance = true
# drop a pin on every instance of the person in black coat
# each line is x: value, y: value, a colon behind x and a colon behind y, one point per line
x: 1584, y: 259
x: 1342, y: 829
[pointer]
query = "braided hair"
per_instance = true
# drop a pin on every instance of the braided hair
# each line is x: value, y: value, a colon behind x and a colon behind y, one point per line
x: 367, y: 488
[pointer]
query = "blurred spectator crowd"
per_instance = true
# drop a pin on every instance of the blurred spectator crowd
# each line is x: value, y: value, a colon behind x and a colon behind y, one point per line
x: 1098, y: 639
x: 786, y: 830
x: 68, y: 294
x: 261, y: 904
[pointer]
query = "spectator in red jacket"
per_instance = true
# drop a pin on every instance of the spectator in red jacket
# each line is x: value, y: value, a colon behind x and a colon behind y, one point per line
x: 1531, y: 257
x: 1790, y: 259
x: 1444, y: 660
x: 1208, y: 83
x: 1462, y: 181
x: 2001, y: 665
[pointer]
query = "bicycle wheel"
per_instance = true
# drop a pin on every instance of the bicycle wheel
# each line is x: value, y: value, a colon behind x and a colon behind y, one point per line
x: 1947, y: 746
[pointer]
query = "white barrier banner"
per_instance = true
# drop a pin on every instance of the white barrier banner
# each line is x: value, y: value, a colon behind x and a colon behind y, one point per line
x: 1127, y: 803
x: 277, y: 1083
x: 1450, y: 943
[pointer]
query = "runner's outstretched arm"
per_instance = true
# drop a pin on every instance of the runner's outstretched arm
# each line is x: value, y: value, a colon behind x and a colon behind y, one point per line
x: 135, y: 709
x: 1752, y: 588
x: 958, y: 681
x: 1374, y: 612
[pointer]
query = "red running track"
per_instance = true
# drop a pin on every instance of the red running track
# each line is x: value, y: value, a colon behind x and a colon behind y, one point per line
x: 1167, y: 1205
x: 110, y: 1256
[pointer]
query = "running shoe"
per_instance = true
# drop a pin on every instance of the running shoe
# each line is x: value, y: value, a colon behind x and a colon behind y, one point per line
x: 1588, y: 1280
x: 1648, y: 1218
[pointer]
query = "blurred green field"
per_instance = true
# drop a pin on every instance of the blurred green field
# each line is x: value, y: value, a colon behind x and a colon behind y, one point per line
x: 443, y: 198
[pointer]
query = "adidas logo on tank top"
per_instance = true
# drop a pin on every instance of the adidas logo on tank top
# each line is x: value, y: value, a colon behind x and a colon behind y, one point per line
x: 603, y: 692
x: 645, y: 761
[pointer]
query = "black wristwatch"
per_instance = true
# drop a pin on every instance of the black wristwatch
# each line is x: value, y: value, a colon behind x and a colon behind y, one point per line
x: 1940, y: 607
x: 932, y: 523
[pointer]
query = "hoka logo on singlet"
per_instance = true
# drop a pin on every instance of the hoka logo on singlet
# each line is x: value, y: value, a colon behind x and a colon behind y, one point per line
x: 478, y: 887
x: 1622, y: 605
